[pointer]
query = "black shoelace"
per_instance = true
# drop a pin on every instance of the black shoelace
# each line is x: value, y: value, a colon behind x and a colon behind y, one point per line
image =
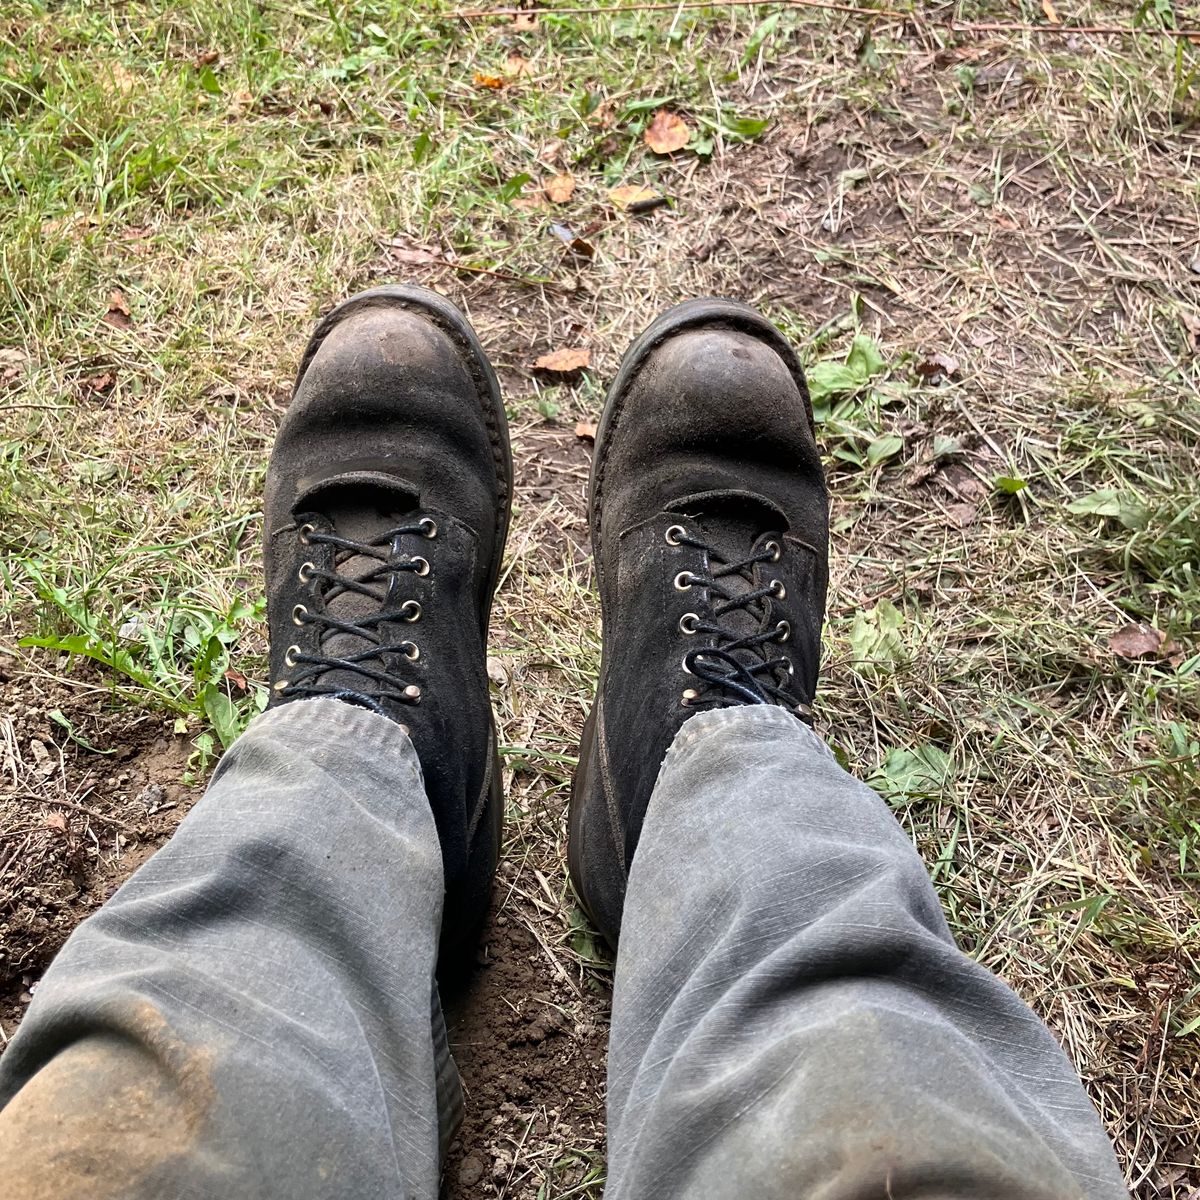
x: 376, y: 663
x: 738, y: 664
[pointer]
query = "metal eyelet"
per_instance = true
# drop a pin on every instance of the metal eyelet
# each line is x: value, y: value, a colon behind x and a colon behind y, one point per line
x: 689, y: 694
x: 305, y: 572
x: 783, y: 631
x: 410, y: 610
x: 777, y: 588
x: 683, y: 581
x: 688, y: 623
x: 306, y: 532
x: 410, y: 650
x: 404, y: 728
x: 423, y: 569
x: 687, y: 670
x: 775, y: 548
x: 412, y: 692
x: 296, y: 614
x: 428, y: 527
x: 791, y: 669
x: 288, y: 655
x: 674, y: 534
x: 803, y: 710
x: 280, y: 684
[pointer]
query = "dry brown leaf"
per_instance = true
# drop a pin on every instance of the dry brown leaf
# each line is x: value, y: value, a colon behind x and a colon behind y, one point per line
x: 123, y: 79
x: 635, y: 197
x: 586, y: 429
x: 1136, y: 641
x: 118, y: 311
x: 516, y: 65
x: 524, y: 22
x: 1051, y: 15
x: 236, y: 679
x: 667, y: 132
x: 560, y: 189
x: 939, y: 365
x: 566, y: 361
x: 56, y: 822
x: 412, y: 253
x: 207, y: 58
x: 98, y: 384
x: 488, y: 81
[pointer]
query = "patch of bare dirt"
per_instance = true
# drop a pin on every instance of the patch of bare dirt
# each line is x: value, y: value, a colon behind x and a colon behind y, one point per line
x: 87, y: 793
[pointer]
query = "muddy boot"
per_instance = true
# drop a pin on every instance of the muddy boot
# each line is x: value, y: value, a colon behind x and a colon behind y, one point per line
x: 386, y: 512
x: 709, y: 523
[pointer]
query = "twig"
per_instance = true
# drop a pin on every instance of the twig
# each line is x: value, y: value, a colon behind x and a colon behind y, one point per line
x: 105, y: 818
x: 895, y: 14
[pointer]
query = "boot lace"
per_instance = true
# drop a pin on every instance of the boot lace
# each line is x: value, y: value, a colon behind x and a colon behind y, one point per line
x: 376, y: 663
x: 737, y: 664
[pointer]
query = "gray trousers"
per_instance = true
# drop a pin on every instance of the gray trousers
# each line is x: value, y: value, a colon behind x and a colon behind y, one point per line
x: 254, y: 1013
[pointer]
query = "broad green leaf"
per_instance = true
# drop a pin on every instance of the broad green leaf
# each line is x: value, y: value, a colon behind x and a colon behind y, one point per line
x: 864, y: 358
x: 1010, y: 485
x: 914, y: 774
x: 828, y: 378
x: 875, y: 637
x: 1104, y: 503
x: 209, y: 82
x: 883, y: 448
x: 221, y: 711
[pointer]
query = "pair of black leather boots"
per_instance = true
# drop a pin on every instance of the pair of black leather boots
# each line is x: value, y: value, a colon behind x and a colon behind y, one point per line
x: 388, y: 500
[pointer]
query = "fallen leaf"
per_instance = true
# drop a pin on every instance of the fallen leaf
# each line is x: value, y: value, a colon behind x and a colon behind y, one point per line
x: 938, y: 365
x: 563, y: 362
x: 207, y: 58
x: 12, y: 363
x: 586, y: 429
x: 1191, y: 323
x: 516, y: 65
x: 1051, y: 15
x: 123, y: 79
x: 1136, y: 641
x: 635, y: 198
x: 488, y: 81
x: 497, y: 672
x: 560, y: 189
x: 98, y: 384
x: 412, y: 253
x: 524, y: 22
x: 56, y: 822
x: 236, y: 678
x: 667, y: 132
x: 118, y: 311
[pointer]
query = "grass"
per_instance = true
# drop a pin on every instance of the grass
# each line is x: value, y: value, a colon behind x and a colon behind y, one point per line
x: 986, y: 249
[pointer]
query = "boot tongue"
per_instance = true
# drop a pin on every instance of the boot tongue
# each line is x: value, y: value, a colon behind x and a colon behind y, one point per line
x: 731, y: 522
x: 360, y: 510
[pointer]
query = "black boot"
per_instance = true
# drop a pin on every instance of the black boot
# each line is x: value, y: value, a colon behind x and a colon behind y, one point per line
x: 386, y: 512
x: 709, y: 521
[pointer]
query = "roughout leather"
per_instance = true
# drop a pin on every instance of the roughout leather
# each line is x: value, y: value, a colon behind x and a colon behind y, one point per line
x: 396, y: 415
x: 707, y: 426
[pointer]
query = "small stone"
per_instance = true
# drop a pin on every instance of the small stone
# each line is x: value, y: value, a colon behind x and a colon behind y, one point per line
x: 470, y: 1171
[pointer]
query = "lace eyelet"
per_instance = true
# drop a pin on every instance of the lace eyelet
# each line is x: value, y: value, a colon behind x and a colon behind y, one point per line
x: 410, y: 650
x: 674, y: 534
x: 687, y: 670
x: 775, y: 548
x: 683, y: 581
x: 306, y: 532
x: 777, y: 588
x: 803, y: 710
x: 305, y: 572
x: 288, y: 655
x: 296, y: 614
x: 410, y: 610
x: 689, y: 694
x: 688, y: 623
x: 412, y: 692
x: 783, y: 631
x: 280, y: 684
x: 404, y: 728
x: 428, y: 527
x: 423, y: 569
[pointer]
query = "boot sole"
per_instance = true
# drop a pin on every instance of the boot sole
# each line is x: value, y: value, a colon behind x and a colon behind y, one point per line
x: 454, y: 963
x: 708, y: 312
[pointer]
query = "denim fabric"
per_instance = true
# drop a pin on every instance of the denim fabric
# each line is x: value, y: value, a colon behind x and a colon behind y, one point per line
x: 254, y: 1013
